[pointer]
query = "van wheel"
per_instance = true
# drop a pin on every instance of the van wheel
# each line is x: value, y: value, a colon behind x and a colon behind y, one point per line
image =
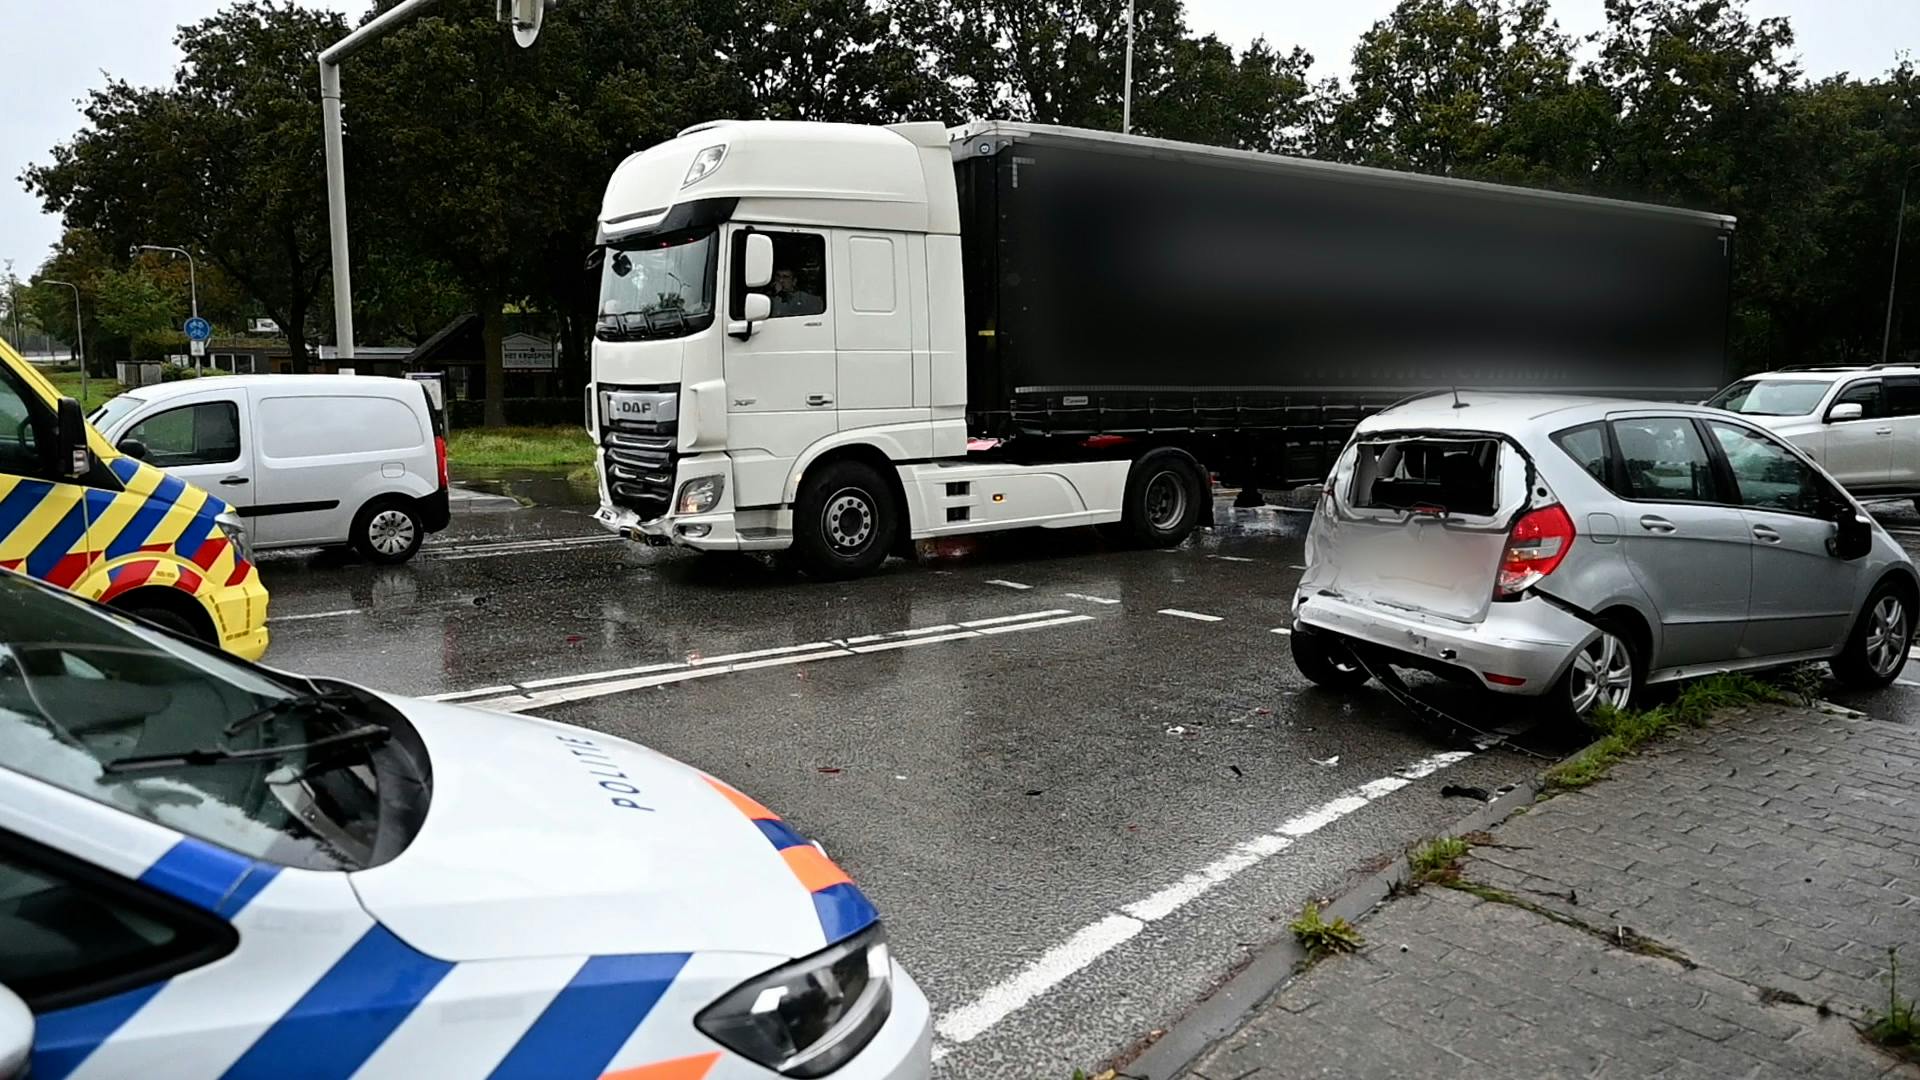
x: 844, y: 521
x: 1326, y: 661
x: 388, y: 530
x: 1608, y: 672
x: 1167, y: 491
x: 1877, y: 649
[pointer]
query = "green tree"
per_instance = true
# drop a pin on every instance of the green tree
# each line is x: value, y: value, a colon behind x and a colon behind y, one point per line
x: 226, y: 160
x: 129, y: 302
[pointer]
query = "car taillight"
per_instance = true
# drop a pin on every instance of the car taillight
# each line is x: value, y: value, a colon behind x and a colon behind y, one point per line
x: 440, y: 456
x: 1540, y: 539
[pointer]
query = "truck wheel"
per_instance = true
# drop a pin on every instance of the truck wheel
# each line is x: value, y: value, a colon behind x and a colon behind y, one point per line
x: 1167, y: 491
x: 844, y: 521
x: 388, y: 530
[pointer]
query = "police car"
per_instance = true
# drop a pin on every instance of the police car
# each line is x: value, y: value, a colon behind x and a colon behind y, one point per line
x: 212, y: 869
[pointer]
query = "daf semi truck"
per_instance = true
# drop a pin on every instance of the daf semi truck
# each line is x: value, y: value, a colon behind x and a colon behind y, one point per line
x: 836, y: 340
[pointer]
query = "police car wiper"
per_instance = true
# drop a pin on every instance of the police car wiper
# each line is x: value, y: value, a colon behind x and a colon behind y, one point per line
x: 324, y: 701
x: 217, y: 755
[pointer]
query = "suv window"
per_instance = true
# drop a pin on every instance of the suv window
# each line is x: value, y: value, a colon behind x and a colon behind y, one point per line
x: 1903, y: 397
x: 1772, y: 397
x: 82, y: 690
x: 1768, y: 475
x: 1664, y: 459
x: 203, y: 434
x: 1865, y: 393
x: 75, y: 933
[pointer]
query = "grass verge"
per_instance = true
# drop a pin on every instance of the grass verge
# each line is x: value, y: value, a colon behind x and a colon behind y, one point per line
x: 1621, y: 733
x: 520, y: 447
x: 98, y: 390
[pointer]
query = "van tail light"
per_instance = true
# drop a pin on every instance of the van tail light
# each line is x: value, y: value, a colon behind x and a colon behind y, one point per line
x: 440, y: 456
x: 1540, y: 539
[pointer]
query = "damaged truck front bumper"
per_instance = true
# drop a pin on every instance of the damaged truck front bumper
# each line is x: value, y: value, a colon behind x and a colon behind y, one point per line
x: 1521, y: 647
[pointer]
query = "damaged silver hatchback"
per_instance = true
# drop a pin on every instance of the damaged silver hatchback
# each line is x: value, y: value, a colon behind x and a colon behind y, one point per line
x: 1578, y: 550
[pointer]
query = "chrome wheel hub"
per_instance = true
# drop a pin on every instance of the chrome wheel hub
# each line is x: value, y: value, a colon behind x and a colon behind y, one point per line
x: 1602, y: 674
x: 1886, y: 635
x: 390, y: 532
x: 848, y: 520
x: 1166, y: 500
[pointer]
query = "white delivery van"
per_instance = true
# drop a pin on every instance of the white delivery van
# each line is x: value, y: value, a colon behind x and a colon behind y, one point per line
x: 308, y: 460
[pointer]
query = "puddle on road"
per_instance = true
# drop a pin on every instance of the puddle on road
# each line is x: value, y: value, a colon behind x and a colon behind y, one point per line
x: 531, y: 486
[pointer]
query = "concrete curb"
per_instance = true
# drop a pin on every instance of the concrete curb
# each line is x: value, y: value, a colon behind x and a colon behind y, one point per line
x: 1223, y: 1012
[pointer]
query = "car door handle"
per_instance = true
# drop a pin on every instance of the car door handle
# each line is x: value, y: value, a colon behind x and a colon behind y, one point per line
x: 232, y: 480
x: 819, y: 399
x: 1766, y: 533
x: 1883, y: 431
x: 1656, y: 524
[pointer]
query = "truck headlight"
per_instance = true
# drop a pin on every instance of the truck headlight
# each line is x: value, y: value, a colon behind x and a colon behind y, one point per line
x: 701, y: 494
x: 812, y: 1016
x: 235, y: 530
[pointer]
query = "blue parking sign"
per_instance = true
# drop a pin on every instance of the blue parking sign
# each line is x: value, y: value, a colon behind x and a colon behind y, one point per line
x: 198, y: 329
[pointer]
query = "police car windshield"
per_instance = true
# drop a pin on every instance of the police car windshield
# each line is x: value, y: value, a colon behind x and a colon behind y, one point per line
x: 82, y: 689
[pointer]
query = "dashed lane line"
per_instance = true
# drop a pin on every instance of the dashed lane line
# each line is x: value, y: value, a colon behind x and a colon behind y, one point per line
x: 1232, y: 558
x: 318, y: 615
x: 1089, y: 599
x: 962, y: 1024
x: 1283, y: 631
x: 1195, y: 615
x: 559, y: 689
x: 1007, y: 584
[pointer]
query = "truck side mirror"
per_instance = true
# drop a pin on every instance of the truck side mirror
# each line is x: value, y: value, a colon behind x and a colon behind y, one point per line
x: 759, y: 266
x: 16, y: 1035
x: 754, y: 306
x: 1846, y: 410
x: 71, y: 457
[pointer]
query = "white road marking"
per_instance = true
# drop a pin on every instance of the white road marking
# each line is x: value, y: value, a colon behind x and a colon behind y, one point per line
x: 318, y: 615
x: 1089, y: 599
x: 1177, y: 613
x: 529, y: 543
x: 967, y: 1022
x: 503, y: 552
x: 1230, y: 558
x: 1007, y: 584
x: 560, y: 689
x: 1283, y: 631
x: 1905, y: 682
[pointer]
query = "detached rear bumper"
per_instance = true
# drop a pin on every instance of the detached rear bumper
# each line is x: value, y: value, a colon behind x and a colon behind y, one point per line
x: 1528, y: 639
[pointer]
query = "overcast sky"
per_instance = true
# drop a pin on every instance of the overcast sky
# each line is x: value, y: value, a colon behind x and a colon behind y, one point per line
x: 55, y: 50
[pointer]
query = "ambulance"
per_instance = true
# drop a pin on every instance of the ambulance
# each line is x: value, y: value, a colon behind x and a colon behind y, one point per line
x: 76, y: 513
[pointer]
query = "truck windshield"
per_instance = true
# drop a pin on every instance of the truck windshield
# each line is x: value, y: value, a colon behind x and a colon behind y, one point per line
x: 1771, y: 397
x: 323, y: 777
x: 657, y: 287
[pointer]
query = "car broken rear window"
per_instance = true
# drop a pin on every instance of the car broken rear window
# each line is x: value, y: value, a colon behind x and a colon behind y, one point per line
x: 1428, y: 473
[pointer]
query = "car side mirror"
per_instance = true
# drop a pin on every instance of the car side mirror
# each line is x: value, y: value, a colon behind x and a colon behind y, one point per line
x: 16, y: 1035
x: 1846, y: 410
x: 759, y: 264
x: 1853, y: 533
x: 71, y: 459
x: 133, y: 448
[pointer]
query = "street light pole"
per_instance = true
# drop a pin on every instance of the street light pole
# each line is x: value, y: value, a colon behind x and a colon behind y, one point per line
x: 1126, y: 91
x: 1893, y: 276
x: 79, y: 334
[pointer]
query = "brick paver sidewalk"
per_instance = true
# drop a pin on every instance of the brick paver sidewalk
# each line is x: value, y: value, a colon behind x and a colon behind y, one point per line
x: 1761, y: 867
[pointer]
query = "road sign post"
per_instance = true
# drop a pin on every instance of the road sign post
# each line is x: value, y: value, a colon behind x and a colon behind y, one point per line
x: 198, y: 331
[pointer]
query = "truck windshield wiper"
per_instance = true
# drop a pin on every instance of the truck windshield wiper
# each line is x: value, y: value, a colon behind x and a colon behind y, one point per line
x: 217, y: 755
x: 323, y: 701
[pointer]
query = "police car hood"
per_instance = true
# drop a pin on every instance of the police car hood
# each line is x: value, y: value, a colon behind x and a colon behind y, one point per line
x: 547, y: 840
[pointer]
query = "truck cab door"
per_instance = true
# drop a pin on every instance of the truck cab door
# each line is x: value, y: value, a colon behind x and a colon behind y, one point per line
x: 873, y: 330
x: 782, y: 379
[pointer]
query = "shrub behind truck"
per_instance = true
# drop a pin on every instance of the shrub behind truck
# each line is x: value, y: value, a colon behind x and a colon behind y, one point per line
x: 804, y: 327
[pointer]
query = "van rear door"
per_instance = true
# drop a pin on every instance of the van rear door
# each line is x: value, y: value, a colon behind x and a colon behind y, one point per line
x: 1417, y: 521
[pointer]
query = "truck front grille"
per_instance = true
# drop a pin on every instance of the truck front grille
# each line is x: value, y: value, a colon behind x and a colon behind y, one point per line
x: 639, y: 458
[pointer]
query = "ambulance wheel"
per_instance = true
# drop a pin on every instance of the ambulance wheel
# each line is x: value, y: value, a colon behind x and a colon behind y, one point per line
x: 388, y: 530
x: 844, y: 521
x: 1167, y: 491
x: 167, y: 616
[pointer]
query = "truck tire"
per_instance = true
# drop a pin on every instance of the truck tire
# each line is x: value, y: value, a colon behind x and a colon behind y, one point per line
x: 1167, y: 491
x: 844, y: 521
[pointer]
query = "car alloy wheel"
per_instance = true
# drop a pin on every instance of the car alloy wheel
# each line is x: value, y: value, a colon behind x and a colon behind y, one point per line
x: 1886, y: 635
x: 1602, y: 674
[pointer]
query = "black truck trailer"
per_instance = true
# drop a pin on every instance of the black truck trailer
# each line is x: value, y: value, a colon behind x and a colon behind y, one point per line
x: 1255, y: 307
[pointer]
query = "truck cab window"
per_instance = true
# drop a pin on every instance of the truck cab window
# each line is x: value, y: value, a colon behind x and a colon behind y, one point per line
x: 799, y: 274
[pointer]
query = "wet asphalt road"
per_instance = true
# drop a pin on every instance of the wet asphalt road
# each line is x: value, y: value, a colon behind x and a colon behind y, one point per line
x: 1059, y: 809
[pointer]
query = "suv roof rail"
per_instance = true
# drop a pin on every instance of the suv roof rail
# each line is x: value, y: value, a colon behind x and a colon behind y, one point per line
x: 1894, y: 364
x: 1822, y: 367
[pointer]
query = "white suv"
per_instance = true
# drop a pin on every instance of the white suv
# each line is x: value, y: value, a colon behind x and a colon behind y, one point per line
x: 1862, y: 424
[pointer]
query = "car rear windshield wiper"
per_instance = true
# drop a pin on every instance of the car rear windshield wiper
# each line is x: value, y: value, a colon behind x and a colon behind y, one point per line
x: 323, y: 701
x: 217, y: 755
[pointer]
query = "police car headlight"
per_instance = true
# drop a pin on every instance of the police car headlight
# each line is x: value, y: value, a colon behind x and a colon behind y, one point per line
x: 235, y: 531
x: 701, y: 494
x: 812, y: 1016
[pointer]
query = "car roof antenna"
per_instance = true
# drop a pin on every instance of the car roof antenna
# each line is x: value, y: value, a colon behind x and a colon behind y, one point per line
x: 1457, y: 403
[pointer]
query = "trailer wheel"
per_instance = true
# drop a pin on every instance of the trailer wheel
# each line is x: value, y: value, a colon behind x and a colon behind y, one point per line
x: 844, y: 521
x: 1167, y: 491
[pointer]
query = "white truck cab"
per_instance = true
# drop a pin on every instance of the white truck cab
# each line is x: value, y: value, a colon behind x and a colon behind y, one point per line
x: 779, y: 359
